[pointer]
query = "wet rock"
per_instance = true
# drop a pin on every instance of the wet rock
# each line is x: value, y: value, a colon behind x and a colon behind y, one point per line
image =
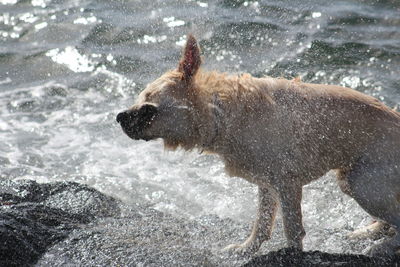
x: 292, y: 257
x: 69, y: 224
x: 27, y: 229
x: 35, y: 216
x: 145, y: 237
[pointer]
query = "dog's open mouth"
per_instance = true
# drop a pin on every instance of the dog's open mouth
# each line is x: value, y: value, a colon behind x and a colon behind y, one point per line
x: 134, y: 122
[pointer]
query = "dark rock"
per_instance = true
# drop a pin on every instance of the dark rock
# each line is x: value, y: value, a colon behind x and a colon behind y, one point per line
x: 27, y: 229
x: 35, y: 216
x: 292, y: 257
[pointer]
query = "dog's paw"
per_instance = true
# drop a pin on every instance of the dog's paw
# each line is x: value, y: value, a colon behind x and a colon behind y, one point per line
x: 244, y: 249
x: 374, y: 231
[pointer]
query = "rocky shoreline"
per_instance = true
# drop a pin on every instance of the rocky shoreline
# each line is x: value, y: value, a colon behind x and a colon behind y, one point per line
x: 66, y: 223
x: 36, y: 216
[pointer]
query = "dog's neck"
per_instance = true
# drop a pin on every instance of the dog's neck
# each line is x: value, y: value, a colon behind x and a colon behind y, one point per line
x: 213, y: 120
x: 226, y: 101
x: 215, y: 127
x: 214, y: 97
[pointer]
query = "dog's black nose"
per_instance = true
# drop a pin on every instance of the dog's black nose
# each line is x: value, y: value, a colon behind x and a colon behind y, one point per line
x: 123, y: 116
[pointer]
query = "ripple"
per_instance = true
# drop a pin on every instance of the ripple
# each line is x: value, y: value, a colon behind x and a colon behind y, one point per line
x: 173, y: 22
x: 40, y: 3
x: 72, y: 59
x: 86, y: 21
x: 41, y: 25
x: 151, y: 39
x: 8, y: 2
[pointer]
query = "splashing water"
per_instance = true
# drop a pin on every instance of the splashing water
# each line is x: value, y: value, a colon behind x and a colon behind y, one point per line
x: 66, y: 70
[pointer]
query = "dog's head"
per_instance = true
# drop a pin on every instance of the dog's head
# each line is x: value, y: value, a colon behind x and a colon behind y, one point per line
x: 164, y: 109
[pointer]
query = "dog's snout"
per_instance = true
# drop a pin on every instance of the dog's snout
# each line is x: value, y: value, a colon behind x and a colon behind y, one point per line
x: 148, y: 110
x: 135, y: 120
x: 123, y: 117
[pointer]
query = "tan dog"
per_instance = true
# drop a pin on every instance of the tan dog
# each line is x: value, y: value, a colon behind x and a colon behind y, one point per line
x: 280, y: 135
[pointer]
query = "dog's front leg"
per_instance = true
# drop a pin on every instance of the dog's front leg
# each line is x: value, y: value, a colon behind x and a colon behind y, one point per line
x: 262, y: 228
x: 290, y: 200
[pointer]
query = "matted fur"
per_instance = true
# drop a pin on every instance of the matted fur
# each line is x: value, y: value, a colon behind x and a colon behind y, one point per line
x: 279, y: 134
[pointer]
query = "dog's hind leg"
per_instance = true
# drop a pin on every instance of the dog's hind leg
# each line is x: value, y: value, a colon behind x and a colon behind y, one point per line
x: 374, y: 182
x: 262, y: 228
x: 376, y: 229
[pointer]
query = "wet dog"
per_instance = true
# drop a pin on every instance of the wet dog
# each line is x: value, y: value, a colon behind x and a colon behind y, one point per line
x: 280, y: 135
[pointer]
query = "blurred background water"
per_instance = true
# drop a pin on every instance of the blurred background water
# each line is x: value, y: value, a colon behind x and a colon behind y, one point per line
x: 68, y: 67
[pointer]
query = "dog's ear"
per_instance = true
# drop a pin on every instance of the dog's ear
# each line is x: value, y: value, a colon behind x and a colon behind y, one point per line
x: 191, y: 60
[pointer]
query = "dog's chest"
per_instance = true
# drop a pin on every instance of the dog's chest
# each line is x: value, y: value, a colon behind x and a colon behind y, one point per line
x: 246, y: 169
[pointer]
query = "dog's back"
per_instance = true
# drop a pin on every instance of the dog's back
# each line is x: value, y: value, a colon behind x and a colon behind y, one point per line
x: 314, y: 127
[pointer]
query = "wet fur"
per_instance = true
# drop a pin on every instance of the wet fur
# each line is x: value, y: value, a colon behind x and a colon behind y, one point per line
x: 282, y: 134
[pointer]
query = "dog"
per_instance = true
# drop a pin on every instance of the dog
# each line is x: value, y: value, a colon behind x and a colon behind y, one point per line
x: 280, y: 135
